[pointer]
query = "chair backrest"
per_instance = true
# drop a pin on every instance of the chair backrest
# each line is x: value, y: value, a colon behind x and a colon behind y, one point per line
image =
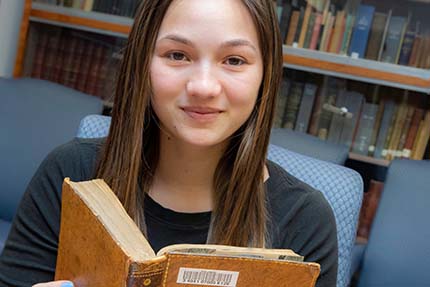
x: 309, y: 145
x: 35, y: 117
x: 342, y: 187
x: 398, y: 250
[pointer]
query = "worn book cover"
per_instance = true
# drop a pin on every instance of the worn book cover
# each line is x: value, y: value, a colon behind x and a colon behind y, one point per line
x: 100, y: 245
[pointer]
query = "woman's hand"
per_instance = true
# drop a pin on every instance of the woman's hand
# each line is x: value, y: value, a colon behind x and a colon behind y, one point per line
x: 61, y: 283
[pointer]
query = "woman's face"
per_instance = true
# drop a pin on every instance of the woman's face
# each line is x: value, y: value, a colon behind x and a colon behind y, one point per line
x: 206, y: 70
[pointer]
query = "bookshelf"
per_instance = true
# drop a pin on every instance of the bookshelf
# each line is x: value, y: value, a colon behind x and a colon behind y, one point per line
x: 386, y: 74
x: 369, y: 71
x: 97, y: 22
x: 339, y: 65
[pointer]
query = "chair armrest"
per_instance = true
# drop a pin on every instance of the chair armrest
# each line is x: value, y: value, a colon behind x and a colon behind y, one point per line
x: 357, y: 256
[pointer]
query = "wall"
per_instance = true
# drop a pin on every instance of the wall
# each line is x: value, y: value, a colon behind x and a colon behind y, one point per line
x: 10, y: 21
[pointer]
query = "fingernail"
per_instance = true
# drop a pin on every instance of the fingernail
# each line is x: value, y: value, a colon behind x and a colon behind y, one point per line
x: 67, y: 284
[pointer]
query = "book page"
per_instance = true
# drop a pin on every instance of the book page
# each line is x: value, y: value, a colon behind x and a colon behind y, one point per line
x: 224, y: 250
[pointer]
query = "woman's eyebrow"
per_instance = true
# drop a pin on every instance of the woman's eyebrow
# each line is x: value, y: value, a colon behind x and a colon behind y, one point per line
x: 177, y: 38
x: 226, y: 44
x: 237, y: 43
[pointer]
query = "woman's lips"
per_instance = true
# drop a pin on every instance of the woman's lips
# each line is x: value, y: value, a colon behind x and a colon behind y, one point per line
x: 202, y: 114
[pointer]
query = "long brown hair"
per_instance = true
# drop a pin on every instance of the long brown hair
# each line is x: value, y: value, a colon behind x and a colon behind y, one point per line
x: 131, y: 152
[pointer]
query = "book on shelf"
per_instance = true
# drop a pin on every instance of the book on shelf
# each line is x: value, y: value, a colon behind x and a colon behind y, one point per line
x: 337, y: 111
x: 334, y: 88
x: 79, y: 60
x: 422, y: 139
x: 376, y: 35
x: 392, y: 44
x: 360, y: 33
x: 365, y: 129
x: 293, y: 103
x: 407, y: 45
x: 281, y: 102
x: 100, y: 245
x: 412, y: 132
x: 369, y: 207
x: 305, y: 109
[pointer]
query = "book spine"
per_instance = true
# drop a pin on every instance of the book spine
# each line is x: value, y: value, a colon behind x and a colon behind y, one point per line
x: 354, y: 104
x: 317, y: 108
x: 369, y: 206
x: 422, y: 139
x: 365, y: 128
x: 146, y: 274
x: 406, y: 50
x: 281, y: 102
x: 39, y: 56
x: 396, y: 133
x: 375, y: 36
x: 384, y: 35
x: 316, y: 32
x: 404, y: 133
x: 394, y: 38
x: 361, y: 31
x: 292, y: 27
x: 285, y: 19
x: 415, y: 50
x: 376, y: 128
x: 338, y: 120
x: 305, y: 24
x: 309, y: 32
x: 390, y: 132
x: 389, y: 107
x: 306, y: 104
x: 293, y: 103
x: 412, y: 133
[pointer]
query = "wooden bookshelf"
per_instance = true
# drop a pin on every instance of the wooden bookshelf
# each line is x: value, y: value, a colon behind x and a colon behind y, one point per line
x: 22, y: 39
x: 403, y: 77
x: 374, y: 72
x: 368, y: 159
x: 78, y: 19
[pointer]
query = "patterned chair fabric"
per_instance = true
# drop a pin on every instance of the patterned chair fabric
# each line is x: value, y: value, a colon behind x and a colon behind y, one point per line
x: 342, y: 187
x: 94, y: 126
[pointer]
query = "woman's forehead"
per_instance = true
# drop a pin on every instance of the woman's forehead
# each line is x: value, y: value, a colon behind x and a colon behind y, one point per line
x: 212, y: 19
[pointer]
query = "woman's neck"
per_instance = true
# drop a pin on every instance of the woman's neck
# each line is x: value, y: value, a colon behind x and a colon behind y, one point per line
x: 183, y: 179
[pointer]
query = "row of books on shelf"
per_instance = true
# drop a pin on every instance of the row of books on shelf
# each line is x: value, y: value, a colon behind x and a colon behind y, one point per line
x: 354, y: 30
x: 79, y: 60
x: 125, y: 8
x: 382, y: 129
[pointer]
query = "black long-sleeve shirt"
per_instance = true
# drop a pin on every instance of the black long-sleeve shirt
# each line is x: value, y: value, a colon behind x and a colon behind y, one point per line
x: 301, y: 219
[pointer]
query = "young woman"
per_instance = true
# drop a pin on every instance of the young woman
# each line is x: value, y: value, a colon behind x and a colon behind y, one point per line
x: 186, y: 152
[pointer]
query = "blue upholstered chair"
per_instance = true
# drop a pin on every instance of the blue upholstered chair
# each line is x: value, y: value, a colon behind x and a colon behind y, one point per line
x: 342, y: 187
x: 398, y: 250
x: 35, y: 117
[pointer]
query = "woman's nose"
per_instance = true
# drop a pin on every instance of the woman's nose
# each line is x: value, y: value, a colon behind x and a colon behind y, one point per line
x: 204, y: 83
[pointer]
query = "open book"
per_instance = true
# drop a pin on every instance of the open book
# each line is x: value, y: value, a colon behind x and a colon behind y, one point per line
x: 100, y: 245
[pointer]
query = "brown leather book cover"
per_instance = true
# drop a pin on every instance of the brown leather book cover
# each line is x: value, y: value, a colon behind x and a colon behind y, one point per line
x: 368, y: 208
x: 101, y: 246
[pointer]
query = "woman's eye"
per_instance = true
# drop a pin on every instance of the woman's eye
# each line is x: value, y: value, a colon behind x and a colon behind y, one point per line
x: 177, y: 56
x: 235, y: 61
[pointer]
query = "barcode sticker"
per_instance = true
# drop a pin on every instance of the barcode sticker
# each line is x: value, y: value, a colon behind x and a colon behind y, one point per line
x: 207, y: 277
